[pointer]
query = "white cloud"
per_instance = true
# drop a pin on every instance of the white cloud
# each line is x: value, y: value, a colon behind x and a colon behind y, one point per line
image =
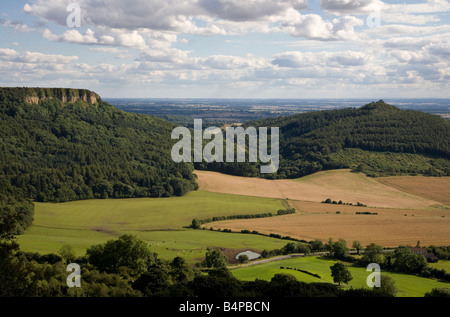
x: 34, y: 57
x: 313, y: 26
x: 352, y: 6
x: 104, y: 37
x: 249, y: 10
x: 172, y: 50
x: 296, y: 59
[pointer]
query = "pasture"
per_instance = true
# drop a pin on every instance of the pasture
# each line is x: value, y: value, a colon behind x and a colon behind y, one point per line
x: 160, y: 221
x: 407, y: 285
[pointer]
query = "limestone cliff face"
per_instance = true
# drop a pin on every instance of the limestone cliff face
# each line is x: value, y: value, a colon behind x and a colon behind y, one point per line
x: 66, y: 95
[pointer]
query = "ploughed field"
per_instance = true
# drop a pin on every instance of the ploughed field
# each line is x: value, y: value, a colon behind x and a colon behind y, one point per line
x: 401, y: 214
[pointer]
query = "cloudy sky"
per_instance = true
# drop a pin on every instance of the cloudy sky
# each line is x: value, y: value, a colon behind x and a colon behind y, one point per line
x: 229, y: 48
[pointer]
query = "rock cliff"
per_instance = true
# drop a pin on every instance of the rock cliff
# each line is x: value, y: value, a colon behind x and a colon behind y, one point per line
x: 66, y: 95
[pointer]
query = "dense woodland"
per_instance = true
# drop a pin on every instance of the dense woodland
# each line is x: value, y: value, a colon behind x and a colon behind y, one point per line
x: 55, y: 151
x: 369, y: 139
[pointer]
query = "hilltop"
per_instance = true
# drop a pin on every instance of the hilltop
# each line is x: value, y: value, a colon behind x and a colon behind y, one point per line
x: 36, y: 95
x: 67, y: 144
x: 377, y: 139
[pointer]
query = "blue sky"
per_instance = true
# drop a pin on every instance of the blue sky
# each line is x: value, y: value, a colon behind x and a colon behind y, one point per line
x: 230, y: 48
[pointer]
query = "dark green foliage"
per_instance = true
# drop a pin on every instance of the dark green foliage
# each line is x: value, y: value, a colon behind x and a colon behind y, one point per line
x: 127, y: 251
x: 316, y: 245
x: 338, y: 249
x: 433, y: 272
x: 438, y: 292
x: 55, y: 151
x: 14, y: 274
x: 340, y: 273
x: 406, y: 261
x: 19, y: 209
x: 442, y: 252
x: 214, y: 259
x: 300, y: 270
x: 373, y: 253
x: 196, y: 223
x: 323, y: 140
x: 243, y: 258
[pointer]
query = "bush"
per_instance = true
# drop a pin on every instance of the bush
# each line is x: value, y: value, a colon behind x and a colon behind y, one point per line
x: 243, y: 258
x: 438, y: 292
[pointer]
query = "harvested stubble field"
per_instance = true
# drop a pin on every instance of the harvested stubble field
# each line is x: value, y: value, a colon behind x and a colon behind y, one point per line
x: 435, y: 188
x: 337, y: 185
x: 402, y: 218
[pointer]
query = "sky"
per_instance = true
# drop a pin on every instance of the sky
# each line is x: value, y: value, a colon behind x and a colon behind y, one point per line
x: 229, y: 48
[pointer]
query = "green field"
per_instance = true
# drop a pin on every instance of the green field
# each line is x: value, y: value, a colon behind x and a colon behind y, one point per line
x: 160, y: 221
x: 407, y: 285
x: 441, y: 265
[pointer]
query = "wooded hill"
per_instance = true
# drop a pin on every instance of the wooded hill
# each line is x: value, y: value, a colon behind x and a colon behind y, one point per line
x: 67, y: 144
x: 377, y: 139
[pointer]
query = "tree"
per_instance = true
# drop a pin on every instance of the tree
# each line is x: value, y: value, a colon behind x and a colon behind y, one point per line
x: 153, y: 281
x: 303, y: 248
x: 387, y: 287
x: 373, y: 254
x: 214, y: 259
x: 243, y: 258
x: 196, y: 224
x: 316, y: 245
x: 290, y: 248
x: 67, y: 253
x: 340, y: 273
x: 339, y: 249
x: 357, y: 245
x: 127, y: 251
x: 180, y: 270
x: 407, y: 261
x: 14, y: 273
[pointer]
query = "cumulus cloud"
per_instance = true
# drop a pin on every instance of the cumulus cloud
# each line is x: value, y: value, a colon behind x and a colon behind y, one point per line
x: 173, y: 15
x: 296, y: 59
x: 251, y: 10
x: 11, y: 55
x: 313, y: 26
x: 107, y: 37
x: 351, y: 6
x: 161, y: 40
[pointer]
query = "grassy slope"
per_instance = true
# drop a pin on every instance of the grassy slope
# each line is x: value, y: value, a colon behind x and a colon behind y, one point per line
x: 407, y: 285
x: 84, y: 223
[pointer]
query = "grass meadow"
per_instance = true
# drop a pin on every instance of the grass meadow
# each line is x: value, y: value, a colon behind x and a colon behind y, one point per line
x: 407, y: 285
x: 160, y: 221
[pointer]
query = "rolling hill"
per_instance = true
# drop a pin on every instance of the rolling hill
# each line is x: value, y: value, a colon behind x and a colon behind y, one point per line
x: 67, y: 144
x: 377, y: 139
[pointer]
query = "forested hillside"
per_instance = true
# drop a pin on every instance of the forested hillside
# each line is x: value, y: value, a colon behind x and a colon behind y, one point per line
x: 67, y: 144
x: 378, y: 139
